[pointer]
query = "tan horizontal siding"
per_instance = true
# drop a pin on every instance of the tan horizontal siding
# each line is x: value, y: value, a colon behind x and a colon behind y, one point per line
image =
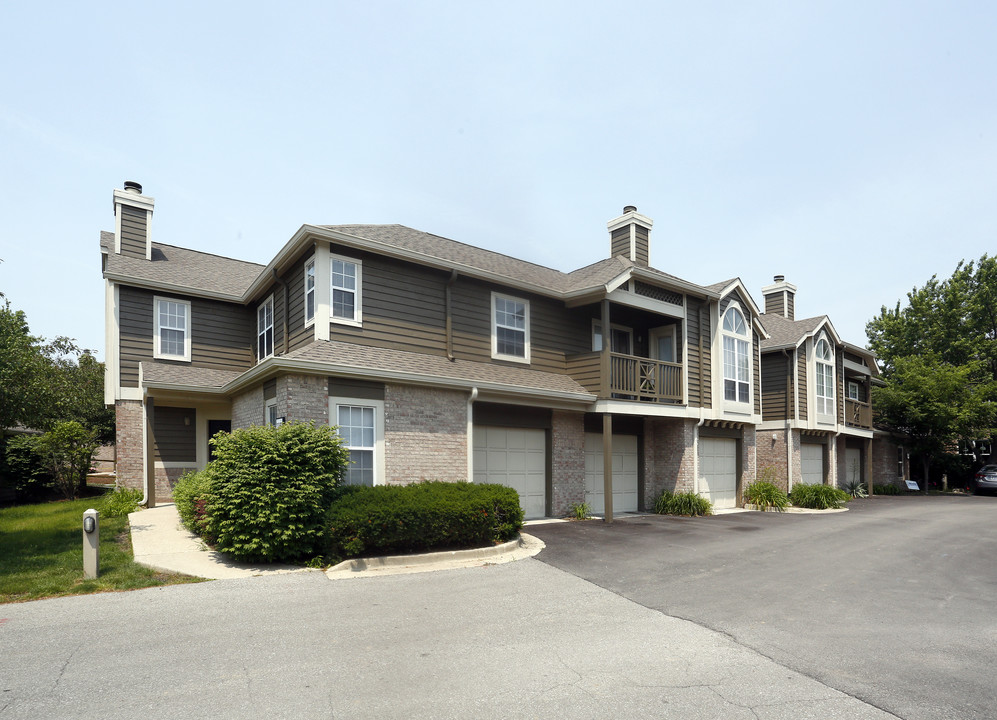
x: 773, y: 387
x: 175, y: 433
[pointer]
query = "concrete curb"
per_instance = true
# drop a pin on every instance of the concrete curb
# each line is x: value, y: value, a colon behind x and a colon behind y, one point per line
x: 522, y: 547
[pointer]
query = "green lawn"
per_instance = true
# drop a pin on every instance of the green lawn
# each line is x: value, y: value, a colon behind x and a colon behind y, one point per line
x: 41, y: 554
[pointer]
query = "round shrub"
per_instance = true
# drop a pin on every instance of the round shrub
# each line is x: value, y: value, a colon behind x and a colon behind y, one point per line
x: 818, y: 497
x: 424, y: 516
x: 119, y: 502
x: 270, y: 488
x: 684, y: 503
x: 190, y: 495
x: 766, y: 496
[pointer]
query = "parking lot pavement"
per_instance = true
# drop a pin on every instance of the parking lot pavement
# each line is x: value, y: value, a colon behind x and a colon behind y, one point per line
x: 519, y: 640
x: 891, y: 602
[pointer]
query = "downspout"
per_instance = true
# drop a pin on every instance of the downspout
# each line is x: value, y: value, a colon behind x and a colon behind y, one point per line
x: 145, y: 449
x: 283, y: 323
x: 695, y: 444
x: 470, y: 431
x: 450, y: 355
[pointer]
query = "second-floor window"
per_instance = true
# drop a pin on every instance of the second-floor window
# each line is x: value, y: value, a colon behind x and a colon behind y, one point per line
x: 346, y: 284
x: 510, y: 328
x: 264, y: 329
x: 853, y: 390
x: 172, y: 340
x: 737, y: 357
x: 309, y: 291
x: 825, y: 377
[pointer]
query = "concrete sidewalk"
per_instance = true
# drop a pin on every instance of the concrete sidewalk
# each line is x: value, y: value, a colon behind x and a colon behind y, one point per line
x: 160, y: 542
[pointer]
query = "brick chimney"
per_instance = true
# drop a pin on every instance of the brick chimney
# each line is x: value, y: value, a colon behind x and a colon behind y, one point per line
x: 132, y: 221
x: 630, y: 236
x: 780, y: 298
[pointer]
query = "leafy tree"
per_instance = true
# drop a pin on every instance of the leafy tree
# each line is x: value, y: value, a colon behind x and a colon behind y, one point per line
x: 939, y: 360
x: 67, y: 451
x: 934, y: 404
x: 22, y: 372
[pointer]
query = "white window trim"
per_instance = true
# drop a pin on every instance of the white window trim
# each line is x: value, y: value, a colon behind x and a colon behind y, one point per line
x: 612, y: 326
x: 824, y: 417
x: 853, y: 385
x: 378, y: 405
x: 496, y: 355
x: 157, y: 341
x: 740, y: 406
x: 314, y: 291
x: 273, y: 338
x: 357, y: 319
x: 267, y: 404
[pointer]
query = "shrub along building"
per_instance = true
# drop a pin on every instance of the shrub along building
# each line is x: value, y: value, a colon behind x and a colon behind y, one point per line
x: 436, y: 360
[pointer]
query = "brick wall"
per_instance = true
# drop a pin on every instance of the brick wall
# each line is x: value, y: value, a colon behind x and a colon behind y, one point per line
x: 771, y: 456
x: 749, y: 456
x: 303, y: 398
x: 884, y: 463
x: 669, y: 462
x: 425, y: 434
x: 247, y: 409
x: 166, y: 479
x: 567, y: 461
x: 130, y: 463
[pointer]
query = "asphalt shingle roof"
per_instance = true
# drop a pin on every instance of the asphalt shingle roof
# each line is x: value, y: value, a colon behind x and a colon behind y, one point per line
x: 155, y: 373
x: 783, y: 331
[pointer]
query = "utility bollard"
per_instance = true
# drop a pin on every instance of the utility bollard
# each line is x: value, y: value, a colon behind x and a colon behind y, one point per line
x: 91, y: 544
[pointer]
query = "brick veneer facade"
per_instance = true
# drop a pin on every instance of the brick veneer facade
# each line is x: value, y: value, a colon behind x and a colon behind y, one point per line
x: 567, y: 461
x: 669, y: 459
x: 885, y: 463
x: 425, y: 434
x: 247, y: 409
x: 130, y: 464
x: 303, y: 398
x: 770, y: 450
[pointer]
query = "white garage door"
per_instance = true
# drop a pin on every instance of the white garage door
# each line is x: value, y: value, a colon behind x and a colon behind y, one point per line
x: 624, y: 473
x: 718, y: 471
x: 812, y: 462
x: 517, y: 458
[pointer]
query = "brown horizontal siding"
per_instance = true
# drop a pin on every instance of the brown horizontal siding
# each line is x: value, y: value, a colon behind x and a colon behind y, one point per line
x: 773, y: 387
x: 643, y: 239
x: 175, y: 433
x: 222, y: 333
x: 620, y: 242
x: 839, y: 374
x: 134, y: 231
x: 586, y: 370
x: 298, y: 334
x: 801, y: 390
x: 757, y: 379
x: 699, y: 369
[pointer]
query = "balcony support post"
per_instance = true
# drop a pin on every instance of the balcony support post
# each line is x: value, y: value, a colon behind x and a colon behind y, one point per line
x: 607, y: 466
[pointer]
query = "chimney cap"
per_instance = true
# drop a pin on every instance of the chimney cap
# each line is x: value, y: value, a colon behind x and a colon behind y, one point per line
x: 132, y: 186
x: 630, y: 208
x: 779, y: 278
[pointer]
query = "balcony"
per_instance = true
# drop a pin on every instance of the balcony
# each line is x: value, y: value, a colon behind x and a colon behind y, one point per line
x: 858, y: 414
x: 627, y: 377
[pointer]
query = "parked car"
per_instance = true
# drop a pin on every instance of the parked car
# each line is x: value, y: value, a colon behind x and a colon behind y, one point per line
x: 985, y: 478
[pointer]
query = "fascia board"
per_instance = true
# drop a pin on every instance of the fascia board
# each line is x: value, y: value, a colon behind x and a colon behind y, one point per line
x: 429, y: 260
x: 272, y: 365
x: 170, y: 287
x: 675, y: 284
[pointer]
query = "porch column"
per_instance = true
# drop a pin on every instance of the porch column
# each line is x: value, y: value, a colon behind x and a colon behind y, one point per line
x: 150, y: 452
x: 607, y: 463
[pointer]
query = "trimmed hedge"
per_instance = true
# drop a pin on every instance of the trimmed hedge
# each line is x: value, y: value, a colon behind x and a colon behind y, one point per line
x: 818, y: 497
x: 269, y: 489
x: 418, y: 517
x: 766, y: 495
x: 191, y: 495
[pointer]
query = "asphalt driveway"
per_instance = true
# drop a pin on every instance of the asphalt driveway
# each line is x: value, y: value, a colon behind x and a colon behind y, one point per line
x: 893, y: 602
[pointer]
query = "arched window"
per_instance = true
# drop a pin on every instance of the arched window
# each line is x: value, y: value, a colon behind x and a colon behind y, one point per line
x: 737, y: 357
x: 824, y: 360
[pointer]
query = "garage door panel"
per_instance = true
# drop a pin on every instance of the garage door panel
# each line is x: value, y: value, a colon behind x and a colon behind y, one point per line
x: 624, y: 473
x: 516, y: 458
x: 812, y: 463
x: 718, y: 471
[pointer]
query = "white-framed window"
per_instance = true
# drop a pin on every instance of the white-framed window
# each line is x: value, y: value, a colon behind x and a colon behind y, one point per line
x: 824, y: 367
x: 510, y: 328
x: 737, y: 356
x: 270, y: 411
x: 309, y: 292
x: 853, y: 390
x: 172, y: 341
x: 346, y: 280
x: 360, y: 423
x: 264, y: 329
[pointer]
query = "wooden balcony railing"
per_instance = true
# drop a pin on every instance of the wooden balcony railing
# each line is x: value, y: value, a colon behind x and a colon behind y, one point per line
x: 858, y: 414
x: 627, y: 377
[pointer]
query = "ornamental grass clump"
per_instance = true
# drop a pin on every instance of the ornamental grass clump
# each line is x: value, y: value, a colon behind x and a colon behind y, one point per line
x: 818, y: 497
x: 766, y: 496
x: 685, y: 503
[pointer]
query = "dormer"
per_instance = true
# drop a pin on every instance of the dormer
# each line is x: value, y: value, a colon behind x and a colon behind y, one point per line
x: 630, y: 236
x: 780, y: 298
x: 132, y: 222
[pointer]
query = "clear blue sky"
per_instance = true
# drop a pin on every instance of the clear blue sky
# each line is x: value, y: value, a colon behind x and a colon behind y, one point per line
x: 850, y: 146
